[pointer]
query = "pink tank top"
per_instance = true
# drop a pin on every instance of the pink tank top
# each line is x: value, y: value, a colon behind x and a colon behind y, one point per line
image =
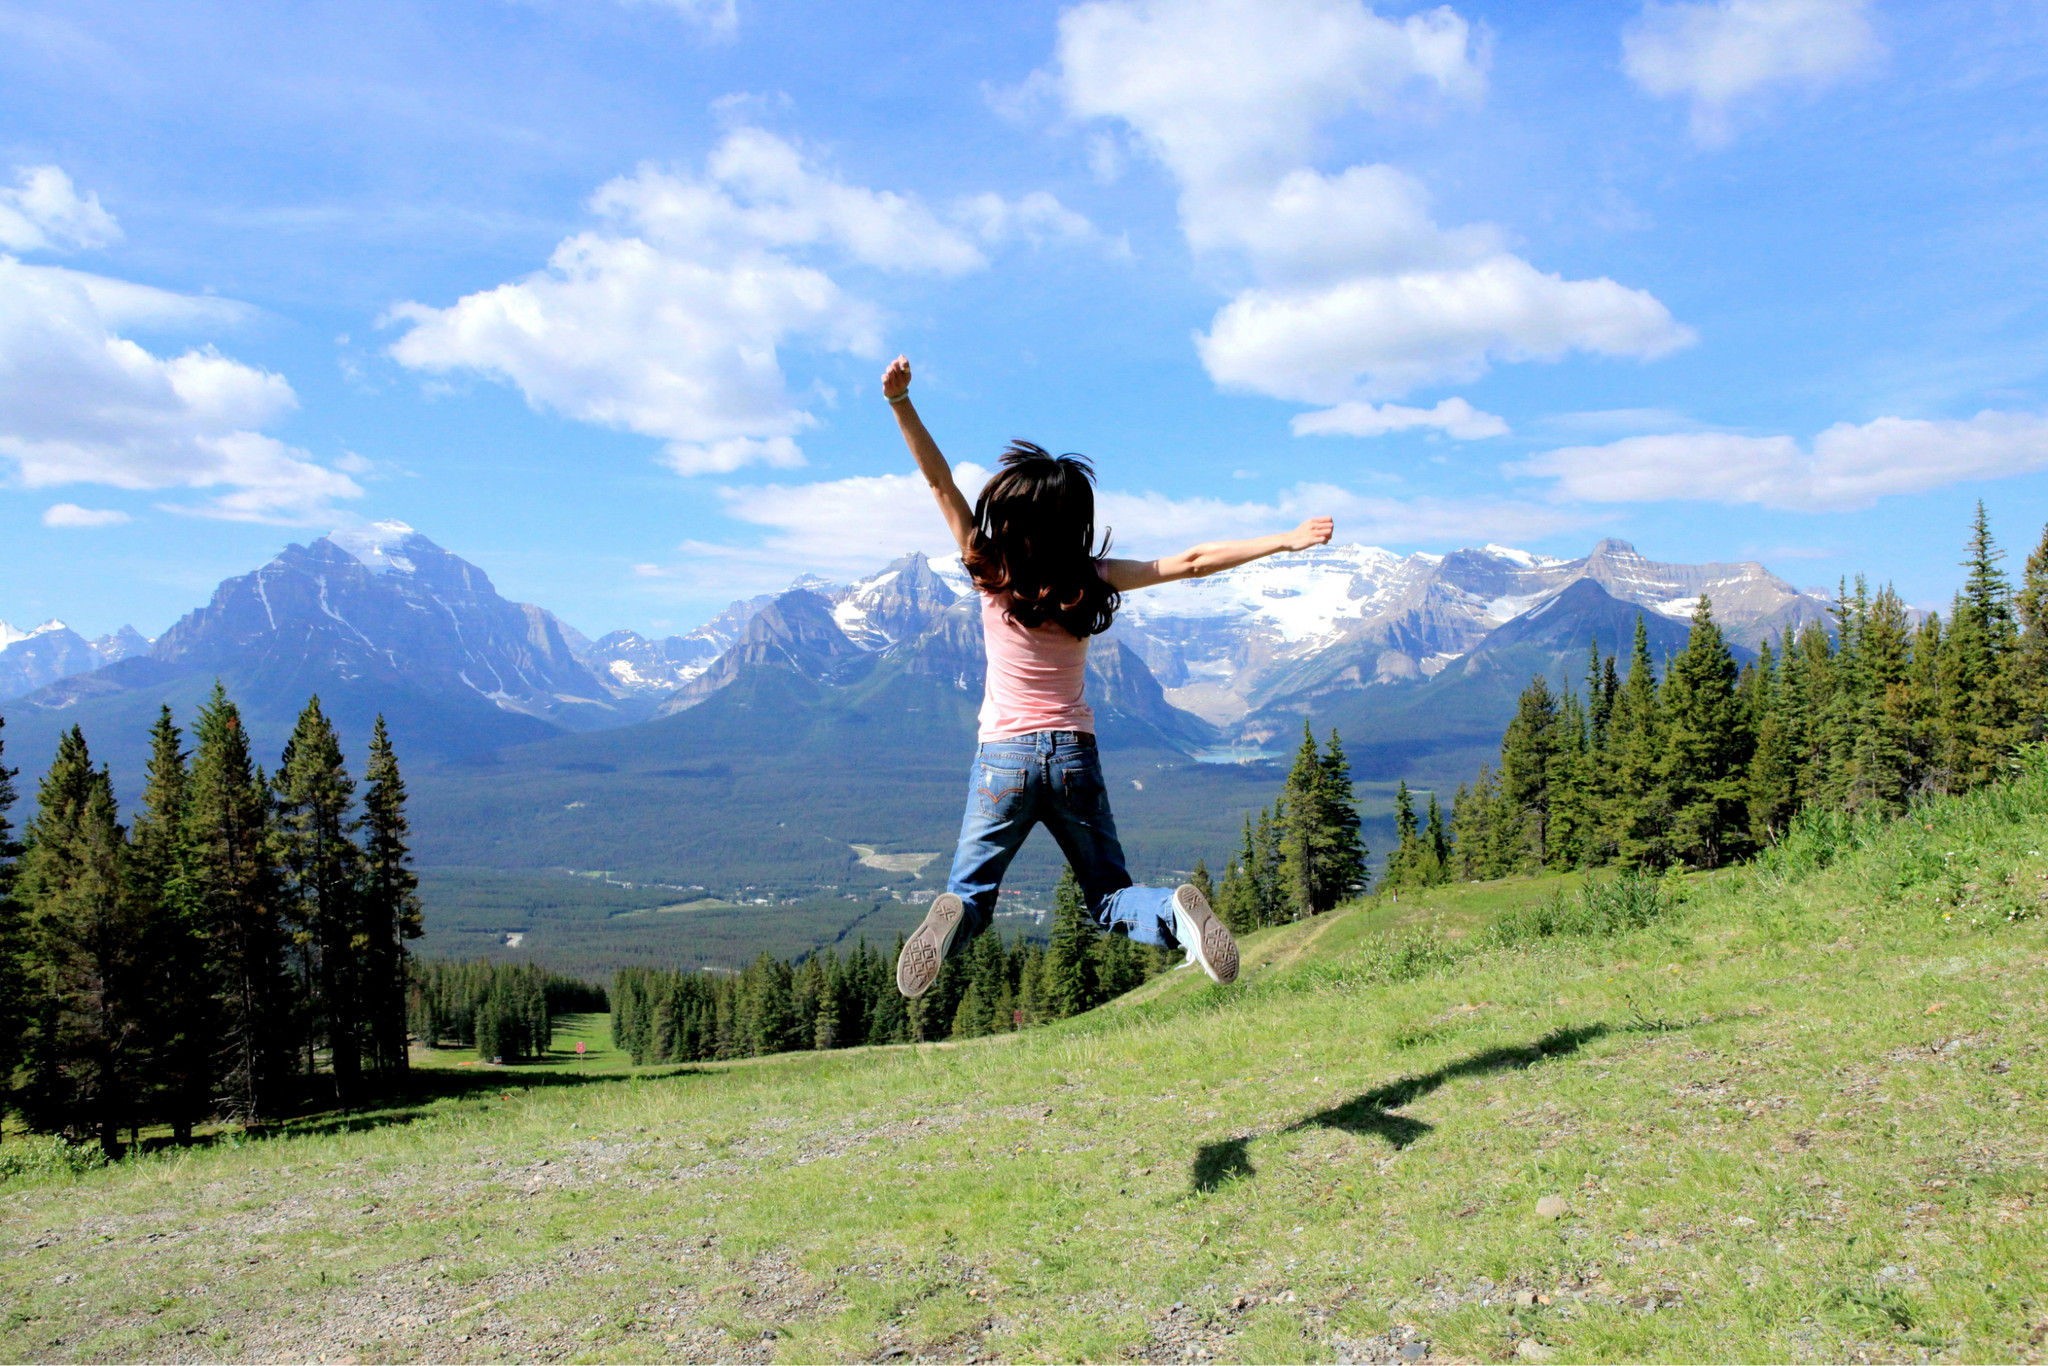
x: 1035, y: 675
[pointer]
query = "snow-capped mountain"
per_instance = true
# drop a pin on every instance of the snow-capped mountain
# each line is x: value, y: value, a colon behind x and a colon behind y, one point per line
x: 1360, y: 615
x: 53, y: 651
x: 383, y: 605
x: 1280, y: 631
x: 374, y: 619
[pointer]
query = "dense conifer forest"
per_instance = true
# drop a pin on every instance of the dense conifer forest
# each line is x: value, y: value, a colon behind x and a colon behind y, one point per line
x: 505, y: 1011
x: 825, y: 1001
x: 1694, y: 762
x: 237, y: 948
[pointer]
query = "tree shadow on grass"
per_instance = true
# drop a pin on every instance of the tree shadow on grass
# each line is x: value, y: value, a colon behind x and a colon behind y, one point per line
x: 403, y: 1100
x: 1368, y: 1114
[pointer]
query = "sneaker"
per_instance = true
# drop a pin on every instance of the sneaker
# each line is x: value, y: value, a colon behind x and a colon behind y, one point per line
x: 1207, y: 939
x: 925, y: 951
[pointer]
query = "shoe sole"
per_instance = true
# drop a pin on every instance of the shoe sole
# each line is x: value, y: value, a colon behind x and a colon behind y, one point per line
x: 1215, y: 947
x: 924, y: 953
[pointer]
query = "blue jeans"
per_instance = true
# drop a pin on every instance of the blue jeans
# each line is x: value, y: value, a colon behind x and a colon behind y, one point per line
x: 1054, y: 776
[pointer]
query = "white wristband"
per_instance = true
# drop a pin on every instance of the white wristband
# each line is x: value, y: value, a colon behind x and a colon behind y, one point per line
x: 903, y: 397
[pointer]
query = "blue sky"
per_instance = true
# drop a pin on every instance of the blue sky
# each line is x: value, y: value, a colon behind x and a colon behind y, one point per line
x: 595, y: 292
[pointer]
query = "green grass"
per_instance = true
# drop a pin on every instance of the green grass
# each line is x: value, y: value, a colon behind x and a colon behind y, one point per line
x: 1800, y: 1116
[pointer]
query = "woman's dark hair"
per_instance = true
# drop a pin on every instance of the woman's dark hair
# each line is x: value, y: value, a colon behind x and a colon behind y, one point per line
x: 1034, y: 538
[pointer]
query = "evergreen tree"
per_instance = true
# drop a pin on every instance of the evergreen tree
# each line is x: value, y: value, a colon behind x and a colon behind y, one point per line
x: 1402, y: 864
x: 1119, y: 966
x: 2030, y: 657
x: 1881, y: 769
x: 1706, y: 746
x: 86, y: 1045
x: 13, y: 966
x: 1527, y: 757
x: 1345, y: 861
x: 1322, y: 856
x: 1600, y: 687
x: 313, y: 832
x: 1269, y: 889
x: 1437, y: 842
x: 1070, y: 985
x: 1980, y: 709
x: 181, y: 1003
x: 1569, y: 829
x: 1201, y: 882
x: 234, y: 885
x: 387, y: 903
x: 1637, y: 818
x: 1031, y: 998
x: 1237, y: 900
x: 1772, y: 790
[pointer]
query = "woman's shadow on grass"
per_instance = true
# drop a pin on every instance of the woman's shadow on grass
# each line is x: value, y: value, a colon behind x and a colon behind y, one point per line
x: 1368, y: 1114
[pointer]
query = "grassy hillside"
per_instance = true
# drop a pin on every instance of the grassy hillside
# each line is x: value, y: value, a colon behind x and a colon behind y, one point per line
x: 1787, y: 1113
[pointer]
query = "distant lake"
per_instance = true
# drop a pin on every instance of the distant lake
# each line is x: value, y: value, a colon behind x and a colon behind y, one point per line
x: 1235, y: 756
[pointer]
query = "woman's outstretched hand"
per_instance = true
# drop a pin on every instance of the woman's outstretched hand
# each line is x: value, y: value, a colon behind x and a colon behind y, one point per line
x: 1314, y: 532
x: 896, y: 379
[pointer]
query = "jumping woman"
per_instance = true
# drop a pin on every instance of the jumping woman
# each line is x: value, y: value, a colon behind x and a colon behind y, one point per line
x: 1029, y: 545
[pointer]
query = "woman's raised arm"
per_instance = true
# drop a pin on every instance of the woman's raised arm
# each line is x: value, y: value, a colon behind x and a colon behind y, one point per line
x: 930, y: 463
x: 1212, y: 557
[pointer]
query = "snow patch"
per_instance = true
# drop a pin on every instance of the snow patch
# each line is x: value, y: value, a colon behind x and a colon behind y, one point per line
x: 376, y: 545
x: 10, y: 634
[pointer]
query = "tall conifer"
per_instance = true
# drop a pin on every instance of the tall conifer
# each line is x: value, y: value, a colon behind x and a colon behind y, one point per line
x: 387, y: 901
x: 234, y: 885
x: 182, y: 1001
x: 314, y: 832
x: 1638, y: 809
x: 1070, y: 986
x: 13, y: 966
x: 87, y: 1044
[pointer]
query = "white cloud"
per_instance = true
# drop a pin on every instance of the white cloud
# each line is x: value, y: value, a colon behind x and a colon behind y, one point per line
x: 1037, y: 218
x: 1235, y: 90
x: 81, y: 404
x: 72, y: 515
x: 1847, y: 467
x: 1719, y: 52
x: 1454, y: 416
x: 46, y: 212
x: 1357, y: 292
x: 1381, y: 335
x: 668, y: 320
x: 720, y: 17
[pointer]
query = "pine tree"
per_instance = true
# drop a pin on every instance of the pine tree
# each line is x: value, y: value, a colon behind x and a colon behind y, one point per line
x: 314, y: 838
x: 86, y: 1046
x: 387, y: 902
x: 1772, y: 790
x: 1236, y: 902
x: 1201, y: 882
x: 1980, y: 711
x: 1569, y: 839
x: 234, y: 886
x: 1437, y: 842
x: 1637, y: 819
x: 1070, y: 986
x: 1402, y: 864
x: 2030, y: 655
x: 1881, y: 770
x: 1527, y: 755
x: 1322, y: 856
x: 1706, y: 749
x: 181, y: 1002
x: 13, y: 967
x: 1269, y: 890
